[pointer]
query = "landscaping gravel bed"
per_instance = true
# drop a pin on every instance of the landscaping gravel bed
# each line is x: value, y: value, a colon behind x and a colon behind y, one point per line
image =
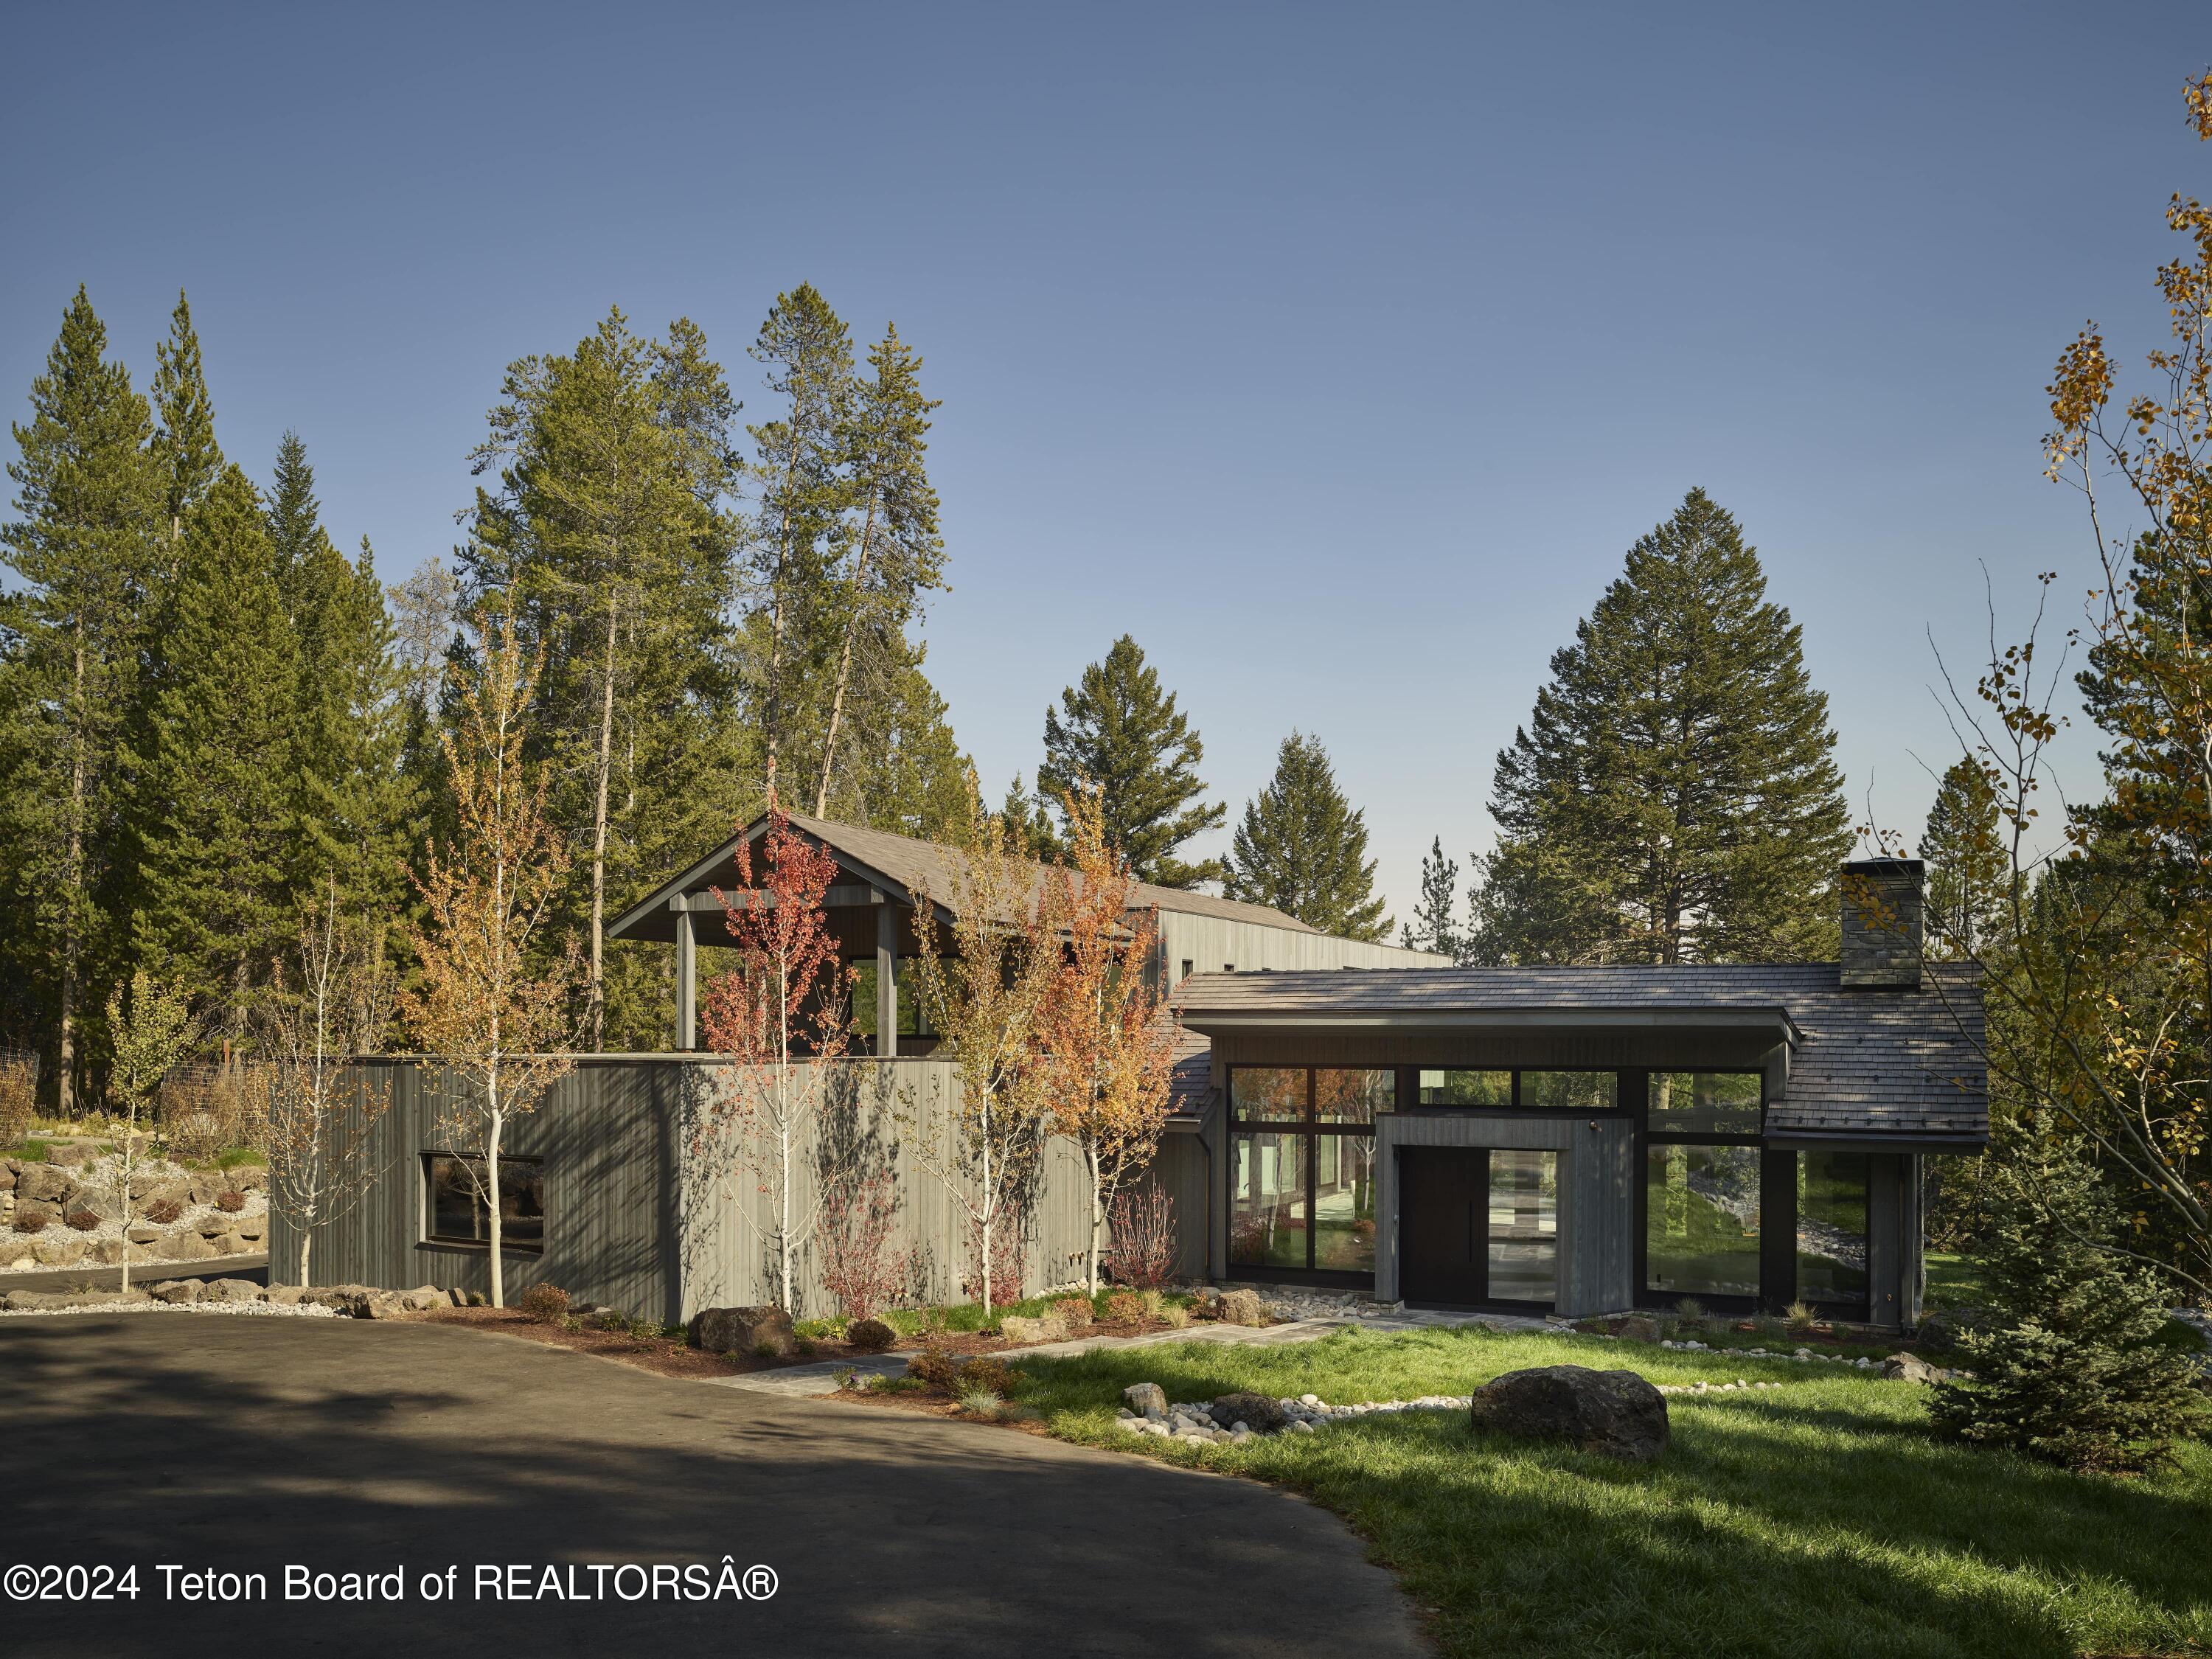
x: 253, y: 1309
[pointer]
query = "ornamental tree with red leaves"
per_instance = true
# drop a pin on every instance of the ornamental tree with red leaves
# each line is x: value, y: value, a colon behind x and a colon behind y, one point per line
x: 781, y: 1013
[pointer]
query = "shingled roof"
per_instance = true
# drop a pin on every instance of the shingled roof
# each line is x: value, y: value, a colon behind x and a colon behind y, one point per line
x: 1908, y: 1063
x: 904, y: 864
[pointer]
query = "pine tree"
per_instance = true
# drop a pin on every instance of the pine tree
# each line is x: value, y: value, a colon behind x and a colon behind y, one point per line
x: 71, y: 634
x: 356, y: 805
x: 1117, y: 733
x: 2073, y: 1370
x: 1303, y: 849
x: 604, y: 535
x: 186, y: 445
x: 1967, y: 866
x: 1434, y: 927
x: 896, y: 554
x: 218, y: 800
x: 1673, y: 797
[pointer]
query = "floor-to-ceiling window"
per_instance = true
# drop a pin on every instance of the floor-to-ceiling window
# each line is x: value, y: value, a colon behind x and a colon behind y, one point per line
x: 1302, y: 1180
x: 1702, y: 1186
x: 1832, y: 1231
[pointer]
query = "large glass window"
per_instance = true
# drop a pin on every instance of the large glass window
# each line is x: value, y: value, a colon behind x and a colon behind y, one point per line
x: 1832, y: 1227
x: 459, y: 1189
x: 1464, y: 1088
x: 1267, y: 1202
x: 1267, y: 1094
x: 1701, y: 1220
x: 1303, y: 1195
x: 1705, y: 1102
x: 1571, y: 1091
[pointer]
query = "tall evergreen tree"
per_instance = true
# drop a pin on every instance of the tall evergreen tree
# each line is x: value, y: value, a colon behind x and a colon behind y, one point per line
x: 356, y: 806
x: 90, y: 502
x: 1674, y: 797
x: 217, y: 807
x: 1301, y: 848
x: 1434, y: 926
x: 1118, y: 732
x: 1967, y: 866
x: 606, y: 536
x: 186, y: 444
x: 895, y: 553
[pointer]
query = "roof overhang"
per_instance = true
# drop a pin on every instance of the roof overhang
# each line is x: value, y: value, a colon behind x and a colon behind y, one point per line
x: 1873, y: 1140
x: 654, y: 917
x: 1610, y: 1018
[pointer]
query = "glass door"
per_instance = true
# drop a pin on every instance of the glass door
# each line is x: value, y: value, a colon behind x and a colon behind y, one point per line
x: 1478, y: 1226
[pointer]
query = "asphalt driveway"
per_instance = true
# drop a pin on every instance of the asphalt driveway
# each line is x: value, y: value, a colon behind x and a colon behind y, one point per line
x: 247, y: 1445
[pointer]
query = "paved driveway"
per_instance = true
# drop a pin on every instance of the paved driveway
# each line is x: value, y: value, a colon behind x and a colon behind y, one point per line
x: 246, y: 1444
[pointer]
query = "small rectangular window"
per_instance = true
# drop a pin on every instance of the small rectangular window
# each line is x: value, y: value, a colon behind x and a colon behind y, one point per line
x: 1705, y: 1102
x: 1571, y: 1091
x: 1349, y: 1096
x: 1188, y: 964
x: 1228, y: 966
x: 1467, y: 1088
x: 457, y: 1200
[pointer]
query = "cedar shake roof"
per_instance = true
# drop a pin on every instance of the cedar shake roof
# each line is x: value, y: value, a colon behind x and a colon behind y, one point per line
x: 902, y: 865
x: 1903, y: 1062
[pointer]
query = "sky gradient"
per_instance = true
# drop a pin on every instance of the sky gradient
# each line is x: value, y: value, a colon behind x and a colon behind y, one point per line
x: 1337, y: 354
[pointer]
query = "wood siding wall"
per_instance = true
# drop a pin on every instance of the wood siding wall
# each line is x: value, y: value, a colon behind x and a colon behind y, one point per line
x: 1211, y: 944
x: 637, y: 1220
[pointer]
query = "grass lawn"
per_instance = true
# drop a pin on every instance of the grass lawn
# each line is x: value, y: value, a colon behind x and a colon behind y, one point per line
x: 1821, y: 1519
x: 1955, y: 1281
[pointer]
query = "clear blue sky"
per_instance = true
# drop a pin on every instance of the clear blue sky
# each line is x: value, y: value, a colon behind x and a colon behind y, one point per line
x: 1336, y: 353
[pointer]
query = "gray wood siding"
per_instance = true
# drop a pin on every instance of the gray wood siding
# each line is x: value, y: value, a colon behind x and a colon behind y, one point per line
x: 1597, y: 1196
x: 637, y: 1218
x: 1210, y: 944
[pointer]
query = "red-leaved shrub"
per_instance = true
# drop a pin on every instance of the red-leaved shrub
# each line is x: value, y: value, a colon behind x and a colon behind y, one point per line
x: 230, y: 1202
x: 162, y: 1211
x: 31, y: 1221
x: 83, y: 1220
x: 1141, y: 1247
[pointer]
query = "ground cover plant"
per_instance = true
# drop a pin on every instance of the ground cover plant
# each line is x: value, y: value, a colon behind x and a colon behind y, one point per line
x: 1824, y: 1517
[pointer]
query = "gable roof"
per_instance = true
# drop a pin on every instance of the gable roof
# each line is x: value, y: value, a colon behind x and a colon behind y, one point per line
x: 897, y: 867
x: 1902, y: 1062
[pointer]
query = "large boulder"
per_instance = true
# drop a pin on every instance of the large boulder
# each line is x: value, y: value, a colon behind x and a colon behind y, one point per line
x: 42, y: 1182
x: 186, y: 1245
x: 231, y: 1289
x: 1256, y: 1410
x: 1617, y: 1413
x: 741, y: 1330
x: 247, y: 1178
x: 175, y: 1291
x: 1636, y: 1327
x: 1021, y: 1331
x: 1912, y: 1368
x: 72, y: 1153
x: 1241, y: 1306
x: 1146, y: 1399
x: 57, y: 1250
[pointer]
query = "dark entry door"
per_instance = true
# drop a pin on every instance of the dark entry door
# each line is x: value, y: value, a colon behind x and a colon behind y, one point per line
x: 1443, y: 1202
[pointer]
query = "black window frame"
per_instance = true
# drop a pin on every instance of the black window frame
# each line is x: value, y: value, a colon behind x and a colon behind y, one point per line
x: 1311, y: 1129
x: 432, y: 1239
x: 1409, y: 1092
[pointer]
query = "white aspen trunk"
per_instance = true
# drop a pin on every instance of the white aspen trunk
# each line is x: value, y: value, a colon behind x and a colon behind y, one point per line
x: 595, y: 995
x: 990, y: 1208
x: 1098, y: 1208
x: 306, y: 1237
x: 491, y: 1178
x: 844, y: 657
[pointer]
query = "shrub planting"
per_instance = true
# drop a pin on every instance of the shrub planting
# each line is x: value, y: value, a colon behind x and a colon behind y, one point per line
x: 163, y: 1211
x: 83, y: 1220
x: 1075, y: 1312
x: 870, y: 1335
x: 980, y: 1402
x: 30, y: 1221
x: 1140, y: 1248
x: 231, y: 1201
x: 1124, y: 1307
x: 546, y: 1303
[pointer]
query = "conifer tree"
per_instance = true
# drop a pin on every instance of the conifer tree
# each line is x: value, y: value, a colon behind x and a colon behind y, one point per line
x: 1968, y: 868
x: 186, y: 444
x: 2073, y: 1370
x: 71, y: 628
x: 218, y: 801
x: 1301, y: 848
x: 1117, y: 733
x: 605, y: 536
x: 1674, y: 797
x: 1434, y: 926
x: 356, y: 805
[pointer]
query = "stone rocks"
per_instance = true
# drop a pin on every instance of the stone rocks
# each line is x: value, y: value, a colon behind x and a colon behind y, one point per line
x: 230, y: 1244
x: 186, y: 1245
x: 1616, y: 1414
x: 1257, y: 1411
x: 143, y: 1235
x: 72, y: 1153
x: 381, y: 1305
x: 1146, y: 1399
x: 36, y: 1301
x: 1017, y: 1329
x: 64, y: 1252
x: 176, y: 1290
x: 286, y: 1295
x: 42, y: 1182
x: 1240, y: 1307
x: 1912, y: 1368
x: 1637, y: 1329
x: 230, y: 1289
x: 870, y: 1335
x: 741, y: 1330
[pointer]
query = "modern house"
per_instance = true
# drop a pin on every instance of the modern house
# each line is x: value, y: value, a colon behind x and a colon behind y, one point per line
x: 1581, y: 1140
x: 1567, y: 1140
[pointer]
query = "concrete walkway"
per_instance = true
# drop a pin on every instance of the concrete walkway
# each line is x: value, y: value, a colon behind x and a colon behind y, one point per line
x: 245, y: 1446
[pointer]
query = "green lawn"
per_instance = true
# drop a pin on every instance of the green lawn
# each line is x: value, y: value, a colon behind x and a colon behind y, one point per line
x: 1955, y: 1281
x: 1821, y: 1519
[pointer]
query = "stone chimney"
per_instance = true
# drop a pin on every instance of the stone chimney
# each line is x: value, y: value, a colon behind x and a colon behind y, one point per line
x: 1881, y: 924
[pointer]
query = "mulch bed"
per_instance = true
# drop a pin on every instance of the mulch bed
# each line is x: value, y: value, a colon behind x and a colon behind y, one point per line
x: 670, y: 1357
